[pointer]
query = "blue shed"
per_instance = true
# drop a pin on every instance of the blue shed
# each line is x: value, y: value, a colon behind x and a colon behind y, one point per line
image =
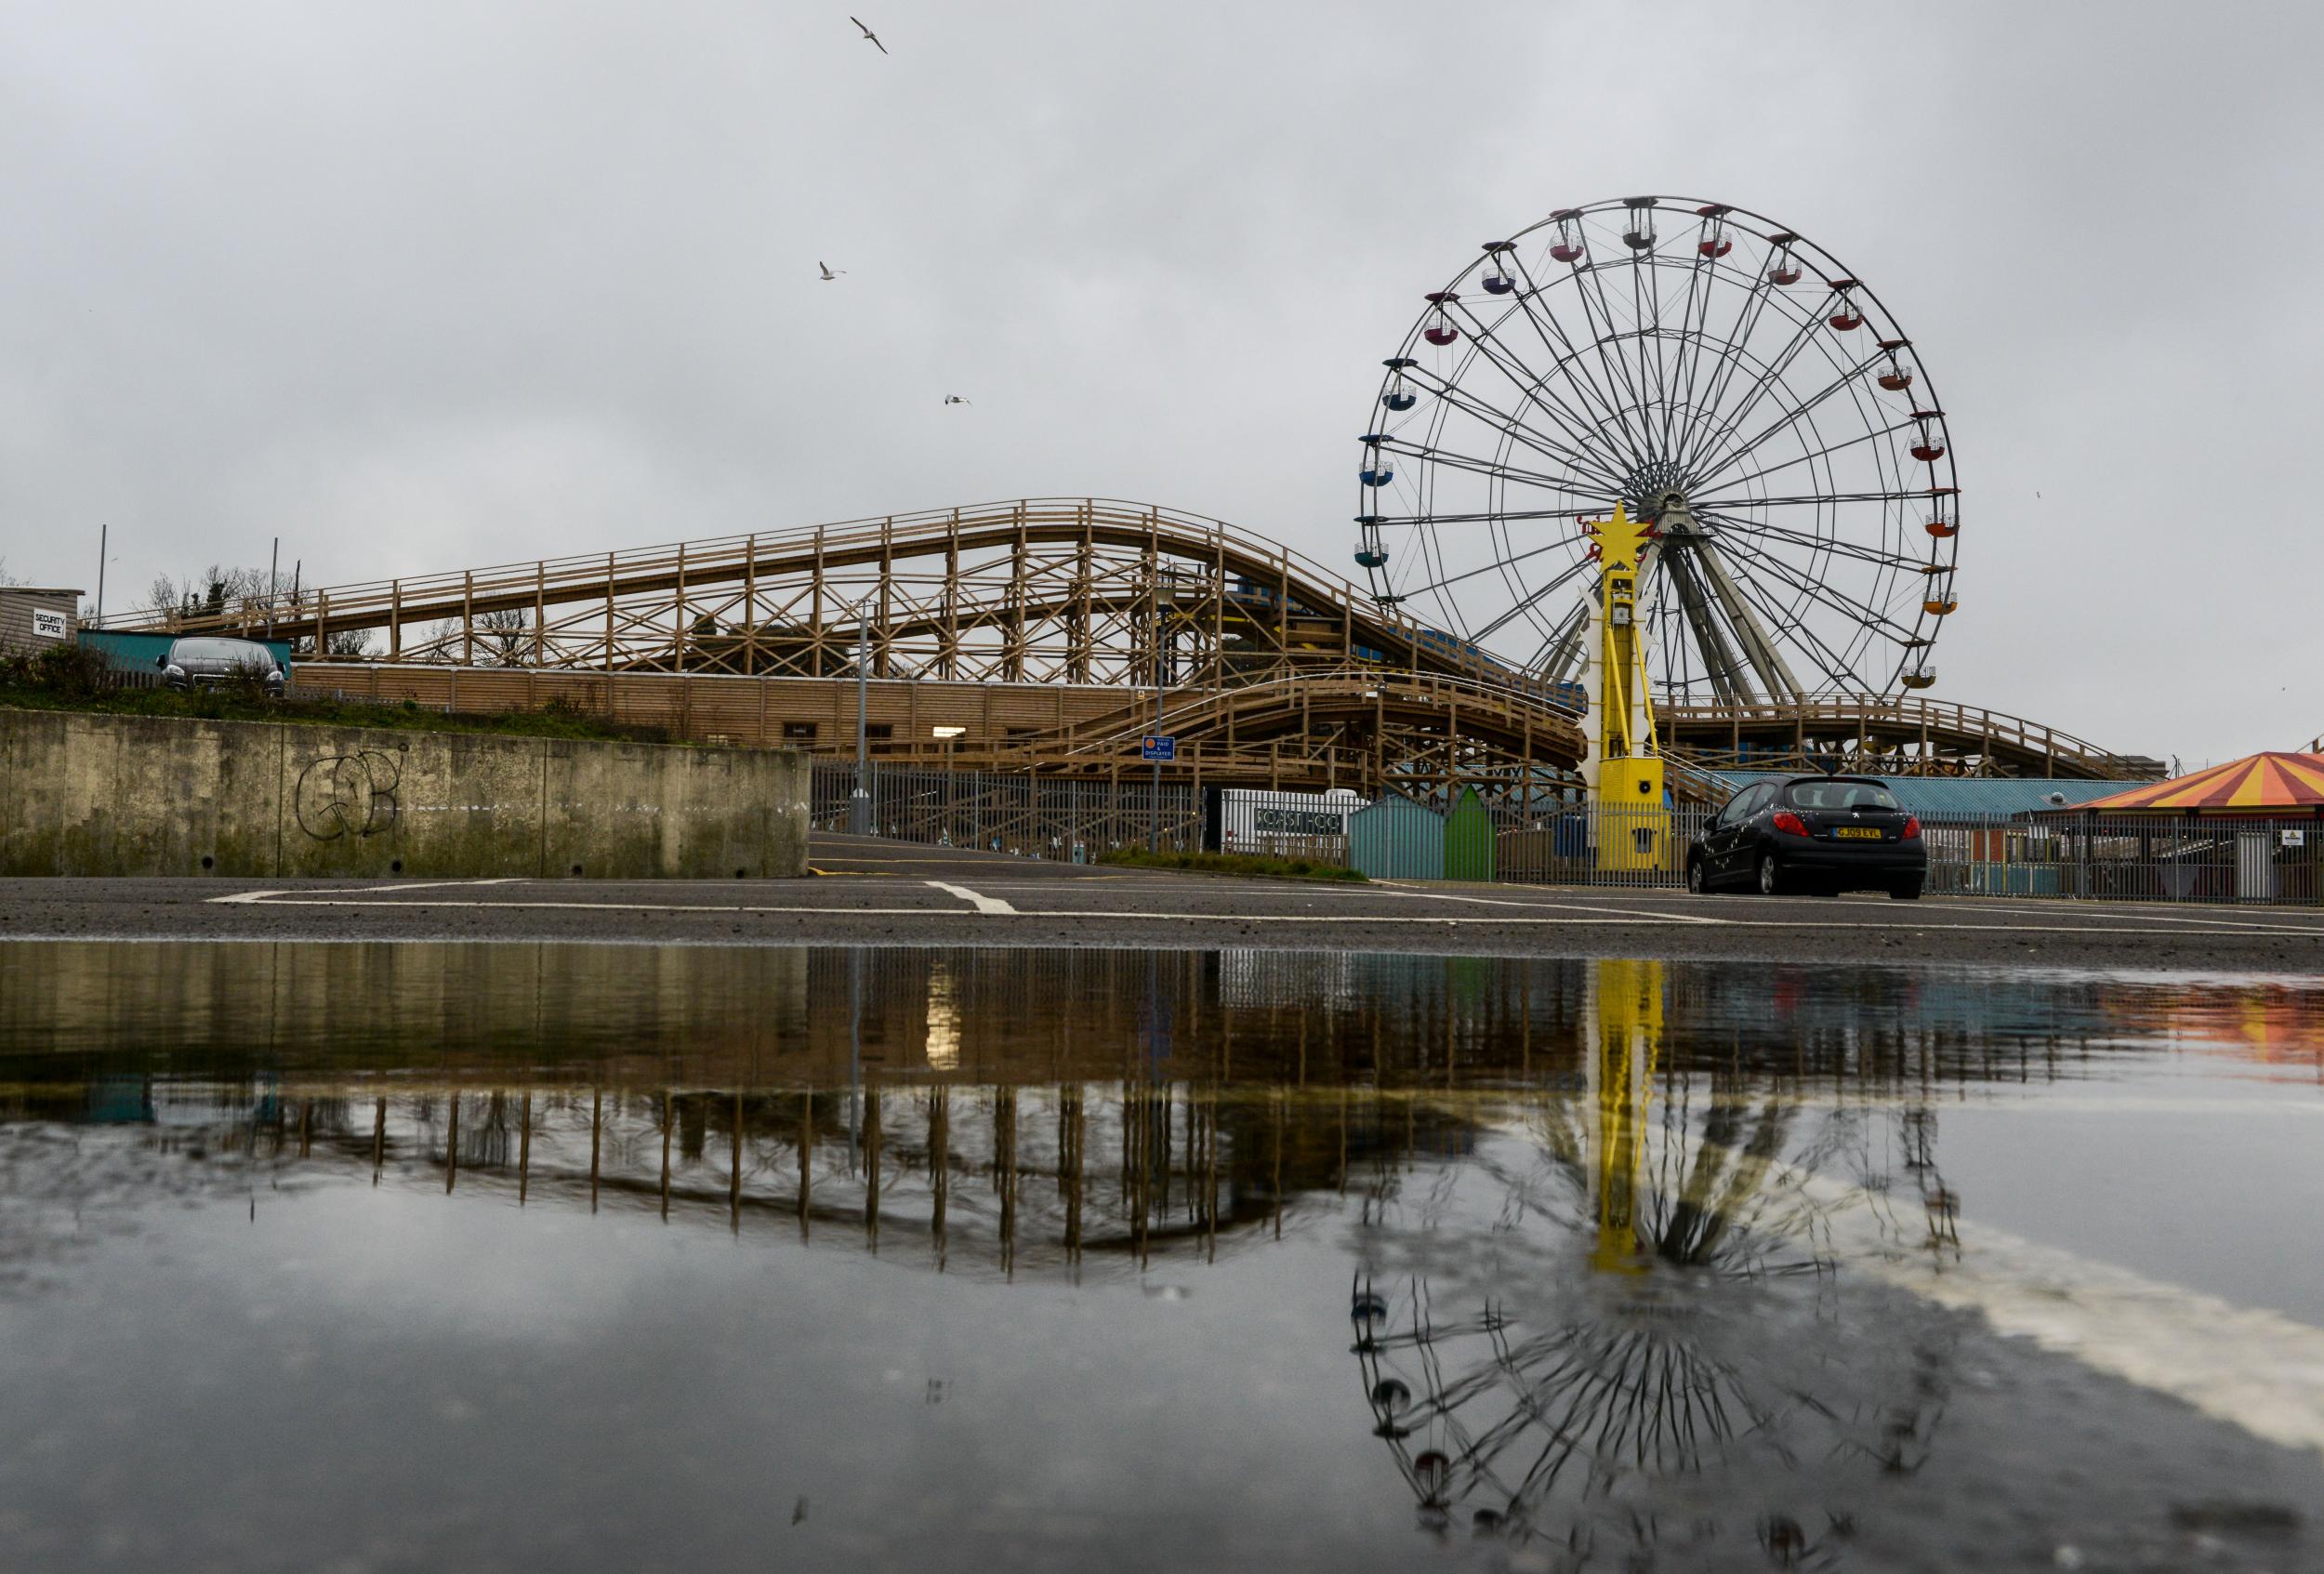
x: 1397, y: 839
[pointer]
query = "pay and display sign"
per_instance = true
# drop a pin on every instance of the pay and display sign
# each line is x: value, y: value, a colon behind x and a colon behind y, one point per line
x: 1157, y: 745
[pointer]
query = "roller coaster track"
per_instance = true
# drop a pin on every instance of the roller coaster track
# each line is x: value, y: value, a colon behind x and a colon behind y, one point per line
x: 1263, y: 648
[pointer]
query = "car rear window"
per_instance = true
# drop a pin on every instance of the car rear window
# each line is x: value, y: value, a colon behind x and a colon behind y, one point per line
x: 1840, y: 795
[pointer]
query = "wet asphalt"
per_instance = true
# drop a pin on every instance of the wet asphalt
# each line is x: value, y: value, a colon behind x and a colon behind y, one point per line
x: 866, y: 892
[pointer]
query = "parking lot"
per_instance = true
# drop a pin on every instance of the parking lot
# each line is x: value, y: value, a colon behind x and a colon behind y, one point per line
x: 881, y: 893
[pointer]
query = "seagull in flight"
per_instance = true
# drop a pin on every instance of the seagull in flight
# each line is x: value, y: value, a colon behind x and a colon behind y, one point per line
x: 828, y: 274
x: 870, y: 34
x: 954, y: 399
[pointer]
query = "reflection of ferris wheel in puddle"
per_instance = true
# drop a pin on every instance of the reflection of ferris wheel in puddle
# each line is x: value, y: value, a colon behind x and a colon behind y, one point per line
x: 1563, y: 1435
x: 1659, y: 1367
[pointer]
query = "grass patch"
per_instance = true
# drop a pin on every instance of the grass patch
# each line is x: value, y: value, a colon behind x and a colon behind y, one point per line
x: 68, y: 685
x: 1228, y: 863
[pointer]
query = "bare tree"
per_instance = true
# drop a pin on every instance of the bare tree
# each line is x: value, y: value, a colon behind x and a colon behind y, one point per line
x: 211, y: 592
x: 348, y: 642
x: 505, y: 636
x: 6, y: 578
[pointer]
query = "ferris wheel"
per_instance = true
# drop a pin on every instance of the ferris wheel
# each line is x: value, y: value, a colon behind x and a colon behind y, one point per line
x: 1730, y: 381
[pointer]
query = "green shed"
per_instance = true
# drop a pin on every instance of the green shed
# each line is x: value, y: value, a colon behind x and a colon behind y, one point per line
x: 1469, y: 839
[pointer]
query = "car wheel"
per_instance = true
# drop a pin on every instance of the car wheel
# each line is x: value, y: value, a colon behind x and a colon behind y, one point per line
x: 1697, y: 881
x: 1905, y: 890
x: 1770, y: 876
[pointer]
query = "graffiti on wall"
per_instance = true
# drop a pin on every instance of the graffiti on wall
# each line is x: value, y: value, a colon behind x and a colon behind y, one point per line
x: 348, y: 795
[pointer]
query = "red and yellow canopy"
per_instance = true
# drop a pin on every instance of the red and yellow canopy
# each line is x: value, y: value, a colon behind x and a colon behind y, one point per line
x: 2269, y: 783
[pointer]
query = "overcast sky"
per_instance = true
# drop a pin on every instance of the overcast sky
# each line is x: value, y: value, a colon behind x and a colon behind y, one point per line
x: 441, y: 283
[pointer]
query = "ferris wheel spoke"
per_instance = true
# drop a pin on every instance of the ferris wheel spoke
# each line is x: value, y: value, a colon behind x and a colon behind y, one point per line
x: 1771, y: 374
x: 1386, y: 520
x: 1532, y: 599
x: 1495, y: 567
x: 1816, y: 543
x: 1547, y: 444
x: 1713, y: 467
x: 1745, y: 317
x: 1603, y: 333
x: 1570, y: 358
x: 1905, y: 495
x: 1683, y: 365
x: 1807, y: 639
x: 1640, y: 286
x: 1871, y: 434
x: 1530, y: 385
x: 1784, y: 685
x: 1593, y: 491
x: 1667, y: 365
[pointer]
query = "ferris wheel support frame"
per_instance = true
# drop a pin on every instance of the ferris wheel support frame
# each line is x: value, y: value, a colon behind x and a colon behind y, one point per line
x: 1623, y: 769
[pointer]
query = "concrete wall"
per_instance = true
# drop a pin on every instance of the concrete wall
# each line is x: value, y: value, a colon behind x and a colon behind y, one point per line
x: 135, y: 795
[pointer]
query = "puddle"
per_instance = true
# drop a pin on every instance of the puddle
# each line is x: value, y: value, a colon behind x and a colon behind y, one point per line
x: 386, y: 1257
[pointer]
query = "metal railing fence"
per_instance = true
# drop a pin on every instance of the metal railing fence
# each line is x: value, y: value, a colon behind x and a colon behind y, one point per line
x: 2128, y: 858
x: 1553, y: 842
x: 1026, y: 816
x: 1597, y: 845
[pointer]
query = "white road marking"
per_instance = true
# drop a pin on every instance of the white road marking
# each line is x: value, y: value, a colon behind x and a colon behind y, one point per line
x: 982, y: 904
x: 255, y: 896
x: 2292, y: 924
x: 2245, y: 1366
x: 1397, y: 889
x: 994, y: 907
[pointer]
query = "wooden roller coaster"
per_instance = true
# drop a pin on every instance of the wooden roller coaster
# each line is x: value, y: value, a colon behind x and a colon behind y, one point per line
x: 1033, y: 635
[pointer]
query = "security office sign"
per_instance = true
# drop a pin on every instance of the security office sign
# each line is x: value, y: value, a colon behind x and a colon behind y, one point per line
x: 47, y: 624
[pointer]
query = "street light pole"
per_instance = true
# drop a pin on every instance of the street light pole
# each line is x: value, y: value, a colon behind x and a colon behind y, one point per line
x: 859, y: 819
x: 101, y: 531
x: 1154, y: 820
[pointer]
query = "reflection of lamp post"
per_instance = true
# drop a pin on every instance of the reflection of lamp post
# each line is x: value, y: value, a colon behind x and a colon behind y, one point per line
x: 946, y: 736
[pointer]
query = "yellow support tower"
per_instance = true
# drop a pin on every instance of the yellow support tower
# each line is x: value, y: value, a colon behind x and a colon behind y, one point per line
x: 1625, y: 765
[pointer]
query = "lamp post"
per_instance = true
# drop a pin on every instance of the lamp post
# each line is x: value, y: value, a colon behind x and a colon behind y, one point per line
x: 859, y: 815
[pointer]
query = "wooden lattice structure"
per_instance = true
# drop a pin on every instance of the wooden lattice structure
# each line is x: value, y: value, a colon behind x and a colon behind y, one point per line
x: 1037, y: 632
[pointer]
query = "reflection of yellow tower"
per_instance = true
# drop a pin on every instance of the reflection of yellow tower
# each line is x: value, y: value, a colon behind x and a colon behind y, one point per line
x: 1625, y: 765
x: 1625, y: 1038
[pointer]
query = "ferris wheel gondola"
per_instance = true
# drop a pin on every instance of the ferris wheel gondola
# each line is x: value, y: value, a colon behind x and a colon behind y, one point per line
x: 1730, y: 382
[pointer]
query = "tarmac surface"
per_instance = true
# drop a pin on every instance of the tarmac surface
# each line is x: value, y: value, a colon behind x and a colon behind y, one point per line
x: 867, y: 892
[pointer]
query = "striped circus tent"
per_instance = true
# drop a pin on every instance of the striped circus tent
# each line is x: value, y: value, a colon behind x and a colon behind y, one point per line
x: 2272, y: 782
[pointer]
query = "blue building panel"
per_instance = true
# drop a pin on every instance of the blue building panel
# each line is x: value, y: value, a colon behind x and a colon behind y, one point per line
x: 1960, y: 798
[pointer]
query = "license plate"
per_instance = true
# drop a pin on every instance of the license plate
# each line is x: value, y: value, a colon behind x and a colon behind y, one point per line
x: 1858, y: 833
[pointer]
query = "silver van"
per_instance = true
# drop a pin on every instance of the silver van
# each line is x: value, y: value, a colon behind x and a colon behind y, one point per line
x: 191, y: 662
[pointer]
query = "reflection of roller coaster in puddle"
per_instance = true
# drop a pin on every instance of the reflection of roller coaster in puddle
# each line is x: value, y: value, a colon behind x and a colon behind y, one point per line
x: 1660, y: 1389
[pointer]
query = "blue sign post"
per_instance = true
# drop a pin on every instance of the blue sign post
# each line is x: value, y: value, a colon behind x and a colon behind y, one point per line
x: 1156, y: 748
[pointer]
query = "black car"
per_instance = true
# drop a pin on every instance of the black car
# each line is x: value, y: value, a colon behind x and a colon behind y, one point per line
x: 1825, y: 834
x: 191, y: 663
